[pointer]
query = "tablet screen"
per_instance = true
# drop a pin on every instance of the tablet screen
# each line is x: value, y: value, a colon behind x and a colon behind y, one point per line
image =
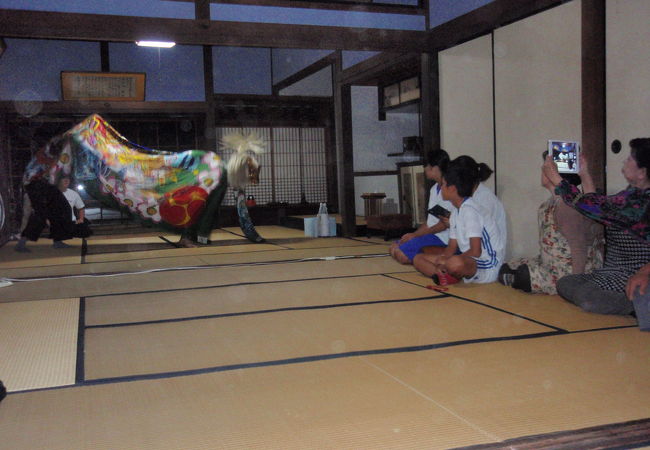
x: 565, y: 154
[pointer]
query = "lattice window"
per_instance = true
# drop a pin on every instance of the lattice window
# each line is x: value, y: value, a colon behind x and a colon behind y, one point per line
x: 292, y: 170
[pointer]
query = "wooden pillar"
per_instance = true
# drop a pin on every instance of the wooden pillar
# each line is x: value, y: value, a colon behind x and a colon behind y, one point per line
x: 429, y: 102
x: 594, y: 129
x: 104, y: 56
x: 344, y: 161
x: 208, y: 139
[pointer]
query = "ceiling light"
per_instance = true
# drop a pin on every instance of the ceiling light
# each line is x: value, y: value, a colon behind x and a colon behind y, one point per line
x: 159, y: 44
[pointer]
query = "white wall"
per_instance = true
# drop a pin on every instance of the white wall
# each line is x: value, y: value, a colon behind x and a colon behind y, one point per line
x: 628, y: 72
x: 466, y: 106
x: 538, y: 97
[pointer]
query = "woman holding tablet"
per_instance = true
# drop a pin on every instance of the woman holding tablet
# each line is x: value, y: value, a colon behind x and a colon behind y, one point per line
x: 569, y: 243
x: 627, y: 224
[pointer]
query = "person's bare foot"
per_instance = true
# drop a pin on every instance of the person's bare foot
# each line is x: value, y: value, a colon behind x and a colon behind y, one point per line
x: 186, y: 243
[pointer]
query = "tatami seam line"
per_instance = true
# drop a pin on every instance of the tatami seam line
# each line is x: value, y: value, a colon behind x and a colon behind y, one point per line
x: 267, y: 311
x: 176, y: 256
x: 81, y: 338
x: 314, y: 358
x: 196, y: 267
x: 489, y: 306
x: 242, y: 283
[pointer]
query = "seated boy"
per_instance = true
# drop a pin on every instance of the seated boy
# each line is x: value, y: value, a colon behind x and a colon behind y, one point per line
x: 478, y: 238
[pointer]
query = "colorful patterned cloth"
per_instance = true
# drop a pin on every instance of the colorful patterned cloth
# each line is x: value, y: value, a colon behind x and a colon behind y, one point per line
x: 627, y: 210
x: 157, y: 185
x: 554, y: 260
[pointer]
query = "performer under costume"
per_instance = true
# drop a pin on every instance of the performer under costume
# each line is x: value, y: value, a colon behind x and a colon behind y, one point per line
x: 49, y: 205
x: 183, y: 190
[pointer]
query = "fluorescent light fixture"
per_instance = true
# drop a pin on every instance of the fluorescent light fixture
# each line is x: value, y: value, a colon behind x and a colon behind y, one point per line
x: 159, y: 44
x: 80, y: 187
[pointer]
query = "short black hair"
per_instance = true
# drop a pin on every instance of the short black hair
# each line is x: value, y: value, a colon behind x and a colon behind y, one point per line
x: 640, y: 151
x: 461, y: 175
x: 437, y: 157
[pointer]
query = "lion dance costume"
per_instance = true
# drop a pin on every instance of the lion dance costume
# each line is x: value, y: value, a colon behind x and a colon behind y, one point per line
x: 183, y: 190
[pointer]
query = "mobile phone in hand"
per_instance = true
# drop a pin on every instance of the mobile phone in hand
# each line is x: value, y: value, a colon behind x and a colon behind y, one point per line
x: 439, y: 211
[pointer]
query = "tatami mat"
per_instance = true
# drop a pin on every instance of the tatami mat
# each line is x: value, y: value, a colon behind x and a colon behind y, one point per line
x: 330, y: 242
x: 38, y: 343
x: 549, y: 309
x: 128, y: 308
x: 216, y: 235
x: 327, y: 344
x: 178, y: 346
x: 41, y: 254
x: 339, y: 404
x: 103, y: 240
x: 270, y: 232
x: 181, y: 279
x: 174, y: 252
x: 184, y: 257
x: 527, y: 387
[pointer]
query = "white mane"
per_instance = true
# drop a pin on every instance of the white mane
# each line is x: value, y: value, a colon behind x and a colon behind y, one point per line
x: 243, y: 146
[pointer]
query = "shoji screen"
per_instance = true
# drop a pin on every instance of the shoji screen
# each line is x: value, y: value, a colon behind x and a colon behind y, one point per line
x: 537, y: 71
x: 466, y: 119
x: 628, y: 78
x: 293, y: 168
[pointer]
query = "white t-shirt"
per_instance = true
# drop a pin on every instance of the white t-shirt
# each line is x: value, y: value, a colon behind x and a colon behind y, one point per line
x: 490, y: 205
x: 469, y: 221
x: 435, y: 198
x: 75, y: 201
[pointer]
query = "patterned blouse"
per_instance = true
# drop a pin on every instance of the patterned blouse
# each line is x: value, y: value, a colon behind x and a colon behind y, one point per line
x: 556, y: 258
x: 625, y: 216
x: 627, y: 210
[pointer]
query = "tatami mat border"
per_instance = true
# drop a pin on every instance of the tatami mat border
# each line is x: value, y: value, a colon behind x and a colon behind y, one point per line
x: 280, y: 247
x: 269, y: 311
x: 81, y: 339
x: 493, y: 307
x: 202, y: 267
x: 313, y: 358
x: 243, y: 283
x: 555, y: 332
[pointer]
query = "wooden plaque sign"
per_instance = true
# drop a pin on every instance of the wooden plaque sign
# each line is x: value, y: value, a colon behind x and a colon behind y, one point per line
x: 105, y: 86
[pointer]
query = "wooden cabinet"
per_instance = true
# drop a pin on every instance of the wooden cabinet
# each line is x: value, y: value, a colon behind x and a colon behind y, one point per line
x: 412, y: 188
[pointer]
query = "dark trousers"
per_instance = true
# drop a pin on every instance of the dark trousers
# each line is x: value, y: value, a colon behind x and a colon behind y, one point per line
x: 590, y: 297
x: 48, y: 204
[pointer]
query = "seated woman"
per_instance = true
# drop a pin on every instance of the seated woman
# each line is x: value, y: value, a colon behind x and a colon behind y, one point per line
x: 434, y: 232
x: 637, y: 291
x: 627, y: 237
x: 569, y: 243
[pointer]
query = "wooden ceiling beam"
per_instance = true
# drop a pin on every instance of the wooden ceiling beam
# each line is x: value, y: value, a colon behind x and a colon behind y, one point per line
x: 110, y: 28
x: 342, y: 5
x: 484, y: 20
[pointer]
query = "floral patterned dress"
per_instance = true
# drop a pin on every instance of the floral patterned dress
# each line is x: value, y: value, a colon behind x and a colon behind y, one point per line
x: 554, y: 260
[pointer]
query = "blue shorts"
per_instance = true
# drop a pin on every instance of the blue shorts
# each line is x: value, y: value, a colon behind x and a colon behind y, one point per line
x: 414, y: 246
